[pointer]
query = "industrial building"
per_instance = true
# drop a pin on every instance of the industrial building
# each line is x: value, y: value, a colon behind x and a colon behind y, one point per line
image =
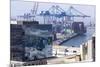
x: 29, y: 42
x: 16, y: 42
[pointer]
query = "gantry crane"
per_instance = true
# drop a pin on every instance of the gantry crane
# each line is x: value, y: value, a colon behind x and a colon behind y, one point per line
x: 56, y: 12
x: 70, y: 13
x: 53, y: 13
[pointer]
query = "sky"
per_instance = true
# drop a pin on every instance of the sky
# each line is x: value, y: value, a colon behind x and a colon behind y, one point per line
x: 21, y: 7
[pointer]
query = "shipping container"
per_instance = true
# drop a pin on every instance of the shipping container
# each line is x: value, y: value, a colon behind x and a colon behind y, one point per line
x: 79, y: 27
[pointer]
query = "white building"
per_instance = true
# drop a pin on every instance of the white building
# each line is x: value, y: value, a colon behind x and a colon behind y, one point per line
x: 62, y: 51
x: 88, y: 51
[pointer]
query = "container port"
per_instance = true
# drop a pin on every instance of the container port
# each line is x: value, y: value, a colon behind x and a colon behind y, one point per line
x: 57, y: 38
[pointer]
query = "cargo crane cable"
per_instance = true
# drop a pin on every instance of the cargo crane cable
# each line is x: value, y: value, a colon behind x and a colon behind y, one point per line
x: 60, y: 9
x: 73, y: 9
x: 54, y: 13
x: 54, y: 10
x: 62, y: 12
x: 71, y: 15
